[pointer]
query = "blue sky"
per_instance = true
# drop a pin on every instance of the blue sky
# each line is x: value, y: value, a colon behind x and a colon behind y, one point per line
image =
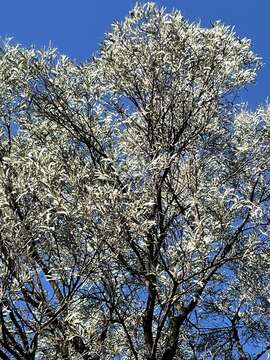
x: 77, y: 27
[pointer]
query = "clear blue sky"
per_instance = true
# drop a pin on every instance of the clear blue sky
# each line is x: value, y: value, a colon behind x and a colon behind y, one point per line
x: 76, y: 27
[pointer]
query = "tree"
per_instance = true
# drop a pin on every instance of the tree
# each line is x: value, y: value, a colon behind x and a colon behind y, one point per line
x: 134, y: 196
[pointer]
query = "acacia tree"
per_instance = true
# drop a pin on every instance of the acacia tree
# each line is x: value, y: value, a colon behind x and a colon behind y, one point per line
x: 134, y: 198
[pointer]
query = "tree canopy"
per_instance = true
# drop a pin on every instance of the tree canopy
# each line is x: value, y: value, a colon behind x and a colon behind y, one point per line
x: 134, y: 197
